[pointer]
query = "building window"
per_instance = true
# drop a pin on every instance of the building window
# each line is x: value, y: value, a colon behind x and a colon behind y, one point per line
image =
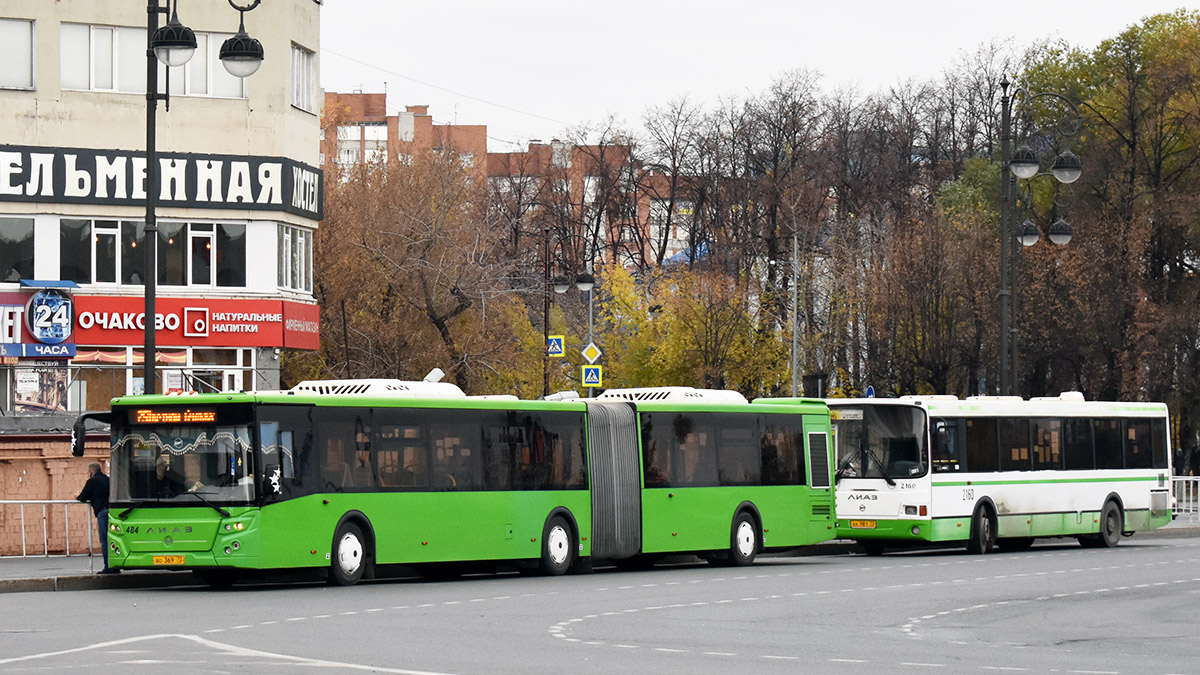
x: 16, y: 249
x: 113, y: 58
x: 16, y: 68
x: 349, y: 145
x: 195, y: 254
x: 375, y: 142
x: 295, y: 258
x: 304, y: 78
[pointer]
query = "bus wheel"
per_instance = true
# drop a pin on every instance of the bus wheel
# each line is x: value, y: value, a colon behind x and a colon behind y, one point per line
x: 1110, y: 525
x: 558, y: 550
x: 1014, y: 543
x: 348, y: 556
x: 744, y: 544
x: 983, y: 531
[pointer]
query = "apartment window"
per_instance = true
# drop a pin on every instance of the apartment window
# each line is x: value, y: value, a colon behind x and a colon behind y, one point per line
x: 375, y: 142
x: 295, y: 258
x: 349, y: 144
x: 16, y: 249
x: 16, y: 69
x: 304, y: 78
x: 113, y: 58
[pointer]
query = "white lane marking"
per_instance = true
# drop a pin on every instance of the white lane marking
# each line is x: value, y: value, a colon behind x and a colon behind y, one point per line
x: 227, y: 648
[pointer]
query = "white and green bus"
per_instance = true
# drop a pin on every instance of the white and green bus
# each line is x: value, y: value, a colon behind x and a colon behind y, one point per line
x: 998, y: 471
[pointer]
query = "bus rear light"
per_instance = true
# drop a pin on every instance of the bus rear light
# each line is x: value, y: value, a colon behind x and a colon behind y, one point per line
x: 924, y: 510
x: 910, y: 510
x: 916, y: 530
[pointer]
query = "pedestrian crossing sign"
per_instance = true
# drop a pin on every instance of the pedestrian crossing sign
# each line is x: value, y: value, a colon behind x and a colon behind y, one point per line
x: 556, y: 346
x: 593, y: 376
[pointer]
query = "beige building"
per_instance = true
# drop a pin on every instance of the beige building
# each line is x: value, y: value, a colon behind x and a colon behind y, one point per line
x: 241, y: 197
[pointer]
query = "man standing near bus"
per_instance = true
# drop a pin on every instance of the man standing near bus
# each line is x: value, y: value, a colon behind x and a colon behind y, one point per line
x: 95, y: 492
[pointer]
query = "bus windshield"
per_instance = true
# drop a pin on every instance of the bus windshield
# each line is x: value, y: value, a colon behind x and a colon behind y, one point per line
x: 191, y: 465
x: 880, y: 441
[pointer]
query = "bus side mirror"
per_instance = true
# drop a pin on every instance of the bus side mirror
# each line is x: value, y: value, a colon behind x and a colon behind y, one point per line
x: 79, y: 430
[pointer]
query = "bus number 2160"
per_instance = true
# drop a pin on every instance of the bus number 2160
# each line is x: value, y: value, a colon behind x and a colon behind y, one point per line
x: 968, y: 494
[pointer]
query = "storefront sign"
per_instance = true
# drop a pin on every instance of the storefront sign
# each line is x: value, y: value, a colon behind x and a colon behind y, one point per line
x: 118, y: 177
x: 36, y: 325
x: 185, y: 322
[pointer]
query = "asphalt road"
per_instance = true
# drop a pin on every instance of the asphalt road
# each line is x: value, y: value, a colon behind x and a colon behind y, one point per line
x: 1055, y: 608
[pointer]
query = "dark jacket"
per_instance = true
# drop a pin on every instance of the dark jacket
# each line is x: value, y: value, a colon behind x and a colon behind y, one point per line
x: 95, y: 490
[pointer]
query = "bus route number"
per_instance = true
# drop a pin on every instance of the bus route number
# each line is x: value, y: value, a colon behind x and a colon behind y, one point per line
x: 968, y: 494
x: 131, y: 529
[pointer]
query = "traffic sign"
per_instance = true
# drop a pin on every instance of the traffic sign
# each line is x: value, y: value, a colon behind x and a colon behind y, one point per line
x: 556, y: 346
x: 591, y: 352
x: 593, y: 376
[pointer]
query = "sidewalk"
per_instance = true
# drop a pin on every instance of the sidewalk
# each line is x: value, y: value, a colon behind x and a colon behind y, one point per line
x: 77, y: 572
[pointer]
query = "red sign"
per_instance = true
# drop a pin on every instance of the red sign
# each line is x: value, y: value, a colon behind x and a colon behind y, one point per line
x: 188, y: 322
x: 301, y: 326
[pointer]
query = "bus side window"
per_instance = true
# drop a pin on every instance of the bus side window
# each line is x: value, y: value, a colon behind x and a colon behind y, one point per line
x: 946, y: 456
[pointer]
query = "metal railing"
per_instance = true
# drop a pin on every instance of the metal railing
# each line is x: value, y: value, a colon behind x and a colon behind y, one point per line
x: 50, y: 530
x: 1186, y: 491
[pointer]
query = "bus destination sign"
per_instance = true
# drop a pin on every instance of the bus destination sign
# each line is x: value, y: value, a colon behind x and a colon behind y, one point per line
x: 174, y: 416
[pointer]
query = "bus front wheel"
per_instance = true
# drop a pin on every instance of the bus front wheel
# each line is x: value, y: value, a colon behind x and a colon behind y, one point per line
x: 983, y: 531
x: 558, y: 550
x: 744, y: 540
x: 349, y: 556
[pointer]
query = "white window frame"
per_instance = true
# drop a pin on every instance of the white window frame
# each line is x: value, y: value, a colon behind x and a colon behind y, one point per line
x: 304, y: 78
x: 212, y: 42
x: 32, y: 56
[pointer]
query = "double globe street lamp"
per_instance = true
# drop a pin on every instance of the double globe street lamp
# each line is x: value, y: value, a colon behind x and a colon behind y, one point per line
x: 1025, y: 163
x: 173, y: 45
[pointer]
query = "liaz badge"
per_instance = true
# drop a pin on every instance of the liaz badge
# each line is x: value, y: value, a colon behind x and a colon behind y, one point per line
x: 49, y: 316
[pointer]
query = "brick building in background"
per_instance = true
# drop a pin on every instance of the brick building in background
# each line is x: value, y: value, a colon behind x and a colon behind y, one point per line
x: 600, y: 194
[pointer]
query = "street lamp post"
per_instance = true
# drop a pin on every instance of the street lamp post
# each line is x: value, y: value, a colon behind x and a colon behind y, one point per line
x: 173, y: 45
x: 1023, y: 162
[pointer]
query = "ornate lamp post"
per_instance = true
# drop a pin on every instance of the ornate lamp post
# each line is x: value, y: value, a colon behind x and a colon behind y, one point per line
x: 1024, y: 163
x: 173, y: 46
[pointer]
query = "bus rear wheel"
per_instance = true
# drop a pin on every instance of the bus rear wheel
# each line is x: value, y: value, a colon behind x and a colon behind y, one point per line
x: 349, y: 556
x: 744, y: 540
x: 983, y: 531
x: 558, y: 550
x: 1111, y: 525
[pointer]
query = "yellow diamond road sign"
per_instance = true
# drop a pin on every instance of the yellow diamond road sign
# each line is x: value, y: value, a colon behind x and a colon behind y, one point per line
x: 591, y: 352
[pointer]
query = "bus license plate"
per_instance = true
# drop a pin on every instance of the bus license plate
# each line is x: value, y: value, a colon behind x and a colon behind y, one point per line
x: 862, y: 524
x: 168, y: 560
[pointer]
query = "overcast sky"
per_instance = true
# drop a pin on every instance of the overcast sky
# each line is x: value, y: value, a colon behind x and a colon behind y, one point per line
x: 533, y: 68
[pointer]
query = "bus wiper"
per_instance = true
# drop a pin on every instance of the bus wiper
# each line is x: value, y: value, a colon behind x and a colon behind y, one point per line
x: 218, y: 509
x: 882, y: 471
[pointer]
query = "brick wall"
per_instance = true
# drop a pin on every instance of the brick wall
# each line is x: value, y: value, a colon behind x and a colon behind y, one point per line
x: 40, y: 467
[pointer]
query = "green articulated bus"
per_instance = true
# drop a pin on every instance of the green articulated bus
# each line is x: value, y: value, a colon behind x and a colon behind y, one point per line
x: 351, y: 476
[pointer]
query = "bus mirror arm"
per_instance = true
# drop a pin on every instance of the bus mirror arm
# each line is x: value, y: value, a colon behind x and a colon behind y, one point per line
x: 79, y: 430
